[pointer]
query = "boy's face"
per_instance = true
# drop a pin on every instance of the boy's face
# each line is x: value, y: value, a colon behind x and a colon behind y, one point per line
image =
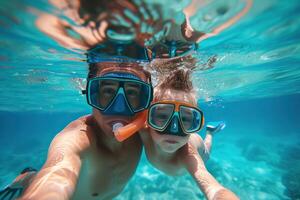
x: 106, y: 122
x: 166, y: 142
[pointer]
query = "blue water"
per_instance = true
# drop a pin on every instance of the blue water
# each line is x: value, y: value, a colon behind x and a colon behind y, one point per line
x: 256, y: 155
x: 254, y: 87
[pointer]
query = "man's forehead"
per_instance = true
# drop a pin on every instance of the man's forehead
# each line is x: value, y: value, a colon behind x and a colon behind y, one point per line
x: 133, y: 68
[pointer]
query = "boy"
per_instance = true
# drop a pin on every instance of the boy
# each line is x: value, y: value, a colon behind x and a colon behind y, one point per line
x: 170, y: 144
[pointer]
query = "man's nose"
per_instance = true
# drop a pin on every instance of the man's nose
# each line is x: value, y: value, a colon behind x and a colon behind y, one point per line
x: 119, y: 104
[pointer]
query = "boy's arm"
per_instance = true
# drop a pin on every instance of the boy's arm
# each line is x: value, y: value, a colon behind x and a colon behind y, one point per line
x: 211, y: 188
x: 58, y: 177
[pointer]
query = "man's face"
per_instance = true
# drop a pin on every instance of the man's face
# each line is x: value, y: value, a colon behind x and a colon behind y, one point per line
x: 171, y: 143
x: 107, y: 90
x: 106, y: 122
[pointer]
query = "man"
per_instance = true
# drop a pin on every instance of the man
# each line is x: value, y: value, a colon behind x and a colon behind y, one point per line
x: 85, y: 161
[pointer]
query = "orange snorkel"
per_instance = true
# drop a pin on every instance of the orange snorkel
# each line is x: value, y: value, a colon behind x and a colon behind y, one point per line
x: 125, y: 132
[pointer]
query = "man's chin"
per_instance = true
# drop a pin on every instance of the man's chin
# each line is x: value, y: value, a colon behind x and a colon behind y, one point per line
x: 108, y: 131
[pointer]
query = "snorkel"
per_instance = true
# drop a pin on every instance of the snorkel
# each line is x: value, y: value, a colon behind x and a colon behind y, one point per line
x: 123, y: 132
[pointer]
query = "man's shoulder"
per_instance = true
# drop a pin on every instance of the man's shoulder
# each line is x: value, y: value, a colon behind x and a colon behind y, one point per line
x: 78, y: 124
x: 76, y: 134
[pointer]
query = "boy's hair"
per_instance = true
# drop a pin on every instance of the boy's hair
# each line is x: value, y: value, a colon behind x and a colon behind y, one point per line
x: 174, y: 73
x: 177, y: 80
x: 165, y: 66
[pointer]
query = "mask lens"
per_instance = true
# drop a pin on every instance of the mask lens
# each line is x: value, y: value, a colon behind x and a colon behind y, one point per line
x: 181, y: 50
x: 160, y: 115
x: 190, y: 119
x: 161, y: 51
x: 102, y: 92
x: 111, y: 50
x: 137, y: 94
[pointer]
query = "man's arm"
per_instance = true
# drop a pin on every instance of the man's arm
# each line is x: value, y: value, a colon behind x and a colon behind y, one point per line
x: 196, y: 36
x: 58, y: 177
x: 211, y: 188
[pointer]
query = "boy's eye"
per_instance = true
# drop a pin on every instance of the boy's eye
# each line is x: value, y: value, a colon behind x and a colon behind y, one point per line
x: 186, y: 119
x: 162, y: 116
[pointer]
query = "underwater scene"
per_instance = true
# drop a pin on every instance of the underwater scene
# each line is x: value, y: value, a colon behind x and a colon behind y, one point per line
x: 246, y: 74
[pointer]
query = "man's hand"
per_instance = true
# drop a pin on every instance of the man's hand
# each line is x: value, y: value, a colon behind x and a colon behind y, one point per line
x: 10, y: 193
x: 15, y: 189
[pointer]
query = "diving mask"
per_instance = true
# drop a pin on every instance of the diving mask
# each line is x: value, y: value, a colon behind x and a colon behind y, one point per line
x: 119, y: 93
x: 175, y: 118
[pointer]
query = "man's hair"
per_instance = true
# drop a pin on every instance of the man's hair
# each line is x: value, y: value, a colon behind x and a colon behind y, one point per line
x: 93, y: 69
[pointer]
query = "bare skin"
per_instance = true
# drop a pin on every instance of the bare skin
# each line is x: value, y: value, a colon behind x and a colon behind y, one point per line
x: 92, y: 29
x: 191, y: 35
x: 85, y: 161
x: 175, y: 155
x: 22, y: 180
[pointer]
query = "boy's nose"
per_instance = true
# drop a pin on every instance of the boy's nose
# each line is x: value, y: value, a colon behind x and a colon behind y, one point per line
x: 174, y: 125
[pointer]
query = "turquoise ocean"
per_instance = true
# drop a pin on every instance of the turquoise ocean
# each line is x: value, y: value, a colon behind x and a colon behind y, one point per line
x: 254, y: 87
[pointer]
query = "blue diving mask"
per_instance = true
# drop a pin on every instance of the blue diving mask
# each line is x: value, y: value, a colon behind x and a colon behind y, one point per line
x: 119, y: 93
x: 117, y: 51
x: 170, y: 49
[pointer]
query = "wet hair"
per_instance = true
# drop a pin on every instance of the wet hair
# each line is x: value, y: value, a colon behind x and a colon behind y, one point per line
x: 177, y: 80
x: 167, y: 66
x: 93, y: 70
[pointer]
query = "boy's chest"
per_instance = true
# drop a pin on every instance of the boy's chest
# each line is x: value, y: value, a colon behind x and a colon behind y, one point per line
x: 171, y: 167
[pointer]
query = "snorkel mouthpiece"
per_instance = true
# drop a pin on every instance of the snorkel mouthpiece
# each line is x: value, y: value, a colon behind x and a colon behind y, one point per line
x: 116, y: 126
x: 123, y: 132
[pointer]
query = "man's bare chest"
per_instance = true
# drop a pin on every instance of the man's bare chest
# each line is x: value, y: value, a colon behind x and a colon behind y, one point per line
x: 105, y: 176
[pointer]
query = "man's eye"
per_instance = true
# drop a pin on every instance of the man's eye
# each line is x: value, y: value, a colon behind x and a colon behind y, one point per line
x: 108, y: 91
x: 132, y: 93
